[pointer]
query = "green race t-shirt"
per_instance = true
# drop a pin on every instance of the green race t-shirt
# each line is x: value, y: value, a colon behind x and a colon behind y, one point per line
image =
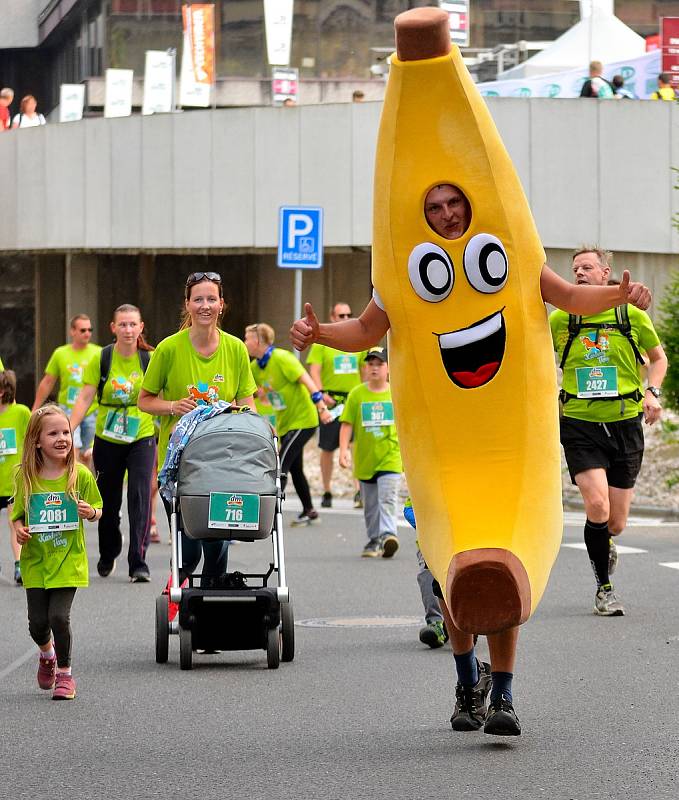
x: 178, y: 371
x: 2, y: 366
x: 68, y: 365
x: 602, y: 364
x: 13, y: 424
x: 340, y: 371
x: 289, y: 398
x: 56, y: 559
x: 118, y: 418
x: 376, y: 448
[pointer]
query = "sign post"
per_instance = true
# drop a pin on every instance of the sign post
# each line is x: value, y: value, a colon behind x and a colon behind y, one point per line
x: 300, y: 244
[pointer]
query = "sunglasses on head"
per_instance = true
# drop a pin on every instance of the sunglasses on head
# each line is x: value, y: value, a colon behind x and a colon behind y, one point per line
x: 197, y: 277
x: 345, y: 316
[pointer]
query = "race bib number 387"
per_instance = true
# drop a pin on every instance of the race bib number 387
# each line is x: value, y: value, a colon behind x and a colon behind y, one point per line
x: 53, y: 511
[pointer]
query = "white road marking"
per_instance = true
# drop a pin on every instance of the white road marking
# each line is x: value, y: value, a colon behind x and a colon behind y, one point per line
x: 622, y: 549
x: 27, y: 656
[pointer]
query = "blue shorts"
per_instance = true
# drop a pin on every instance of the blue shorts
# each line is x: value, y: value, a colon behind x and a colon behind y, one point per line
x: 83, y: 435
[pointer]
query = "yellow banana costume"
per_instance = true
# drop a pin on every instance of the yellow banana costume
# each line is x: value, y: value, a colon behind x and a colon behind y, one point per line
x: 472, y: 370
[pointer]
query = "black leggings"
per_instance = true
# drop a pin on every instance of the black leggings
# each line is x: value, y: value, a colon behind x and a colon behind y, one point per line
x: 215, y: 552
x: 111, y: 459
x: 49, y: 615
x: 292, y: 461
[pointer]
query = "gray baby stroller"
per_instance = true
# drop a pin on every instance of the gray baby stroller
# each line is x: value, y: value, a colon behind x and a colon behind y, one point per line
x: 228, y: 487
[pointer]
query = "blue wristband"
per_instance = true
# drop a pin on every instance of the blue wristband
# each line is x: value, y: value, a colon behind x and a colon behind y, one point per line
x: 316, y: 397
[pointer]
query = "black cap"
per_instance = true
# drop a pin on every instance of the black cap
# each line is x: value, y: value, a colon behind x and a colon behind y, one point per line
x: 377, y: 352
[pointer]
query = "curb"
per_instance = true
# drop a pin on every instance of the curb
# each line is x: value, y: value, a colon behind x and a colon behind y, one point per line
x: 656, y: 512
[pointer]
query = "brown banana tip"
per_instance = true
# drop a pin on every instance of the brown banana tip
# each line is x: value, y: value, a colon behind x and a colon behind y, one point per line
x: 422, y: 33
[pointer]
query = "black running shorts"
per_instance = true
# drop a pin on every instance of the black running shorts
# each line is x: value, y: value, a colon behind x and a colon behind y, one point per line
x: 328, y: 436
x: 617, y: 447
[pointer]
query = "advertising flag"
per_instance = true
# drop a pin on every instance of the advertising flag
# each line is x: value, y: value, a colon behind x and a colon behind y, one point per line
x: 669, y: 40
x: 158, y: 82
x: 118, y: 102
x: 198, y: 54
x: 278, y: 23
x: 71, y: 102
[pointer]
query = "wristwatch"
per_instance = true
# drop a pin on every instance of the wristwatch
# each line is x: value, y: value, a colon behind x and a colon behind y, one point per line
x: 654, y: 391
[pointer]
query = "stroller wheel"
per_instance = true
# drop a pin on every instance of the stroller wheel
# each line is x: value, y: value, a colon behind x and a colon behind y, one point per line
x: 162, y: 629
x: 273, y: 648
x: 287, y: 632
x: 185, y: 648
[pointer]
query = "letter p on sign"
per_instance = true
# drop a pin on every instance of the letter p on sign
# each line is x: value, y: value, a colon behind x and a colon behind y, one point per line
x: 300, y: 237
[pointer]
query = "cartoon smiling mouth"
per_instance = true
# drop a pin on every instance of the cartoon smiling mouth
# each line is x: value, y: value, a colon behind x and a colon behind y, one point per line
x: 473, y: 355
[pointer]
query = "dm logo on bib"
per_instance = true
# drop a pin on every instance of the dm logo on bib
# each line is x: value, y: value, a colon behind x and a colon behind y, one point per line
x: 595, y: 372
x: 53, y: 500
x: 203, y: 394
x: 235, y: 501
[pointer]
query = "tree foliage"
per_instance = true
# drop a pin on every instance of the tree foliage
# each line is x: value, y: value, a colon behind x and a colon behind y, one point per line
x: 668, y: 330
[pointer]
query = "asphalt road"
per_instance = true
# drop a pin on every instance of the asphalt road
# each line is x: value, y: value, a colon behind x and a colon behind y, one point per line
x: 362, y: 712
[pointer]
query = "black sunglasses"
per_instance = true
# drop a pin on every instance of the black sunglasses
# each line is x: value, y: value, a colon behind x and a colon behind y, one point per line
x: 85, y: 330
x: 197, y: 277
x: 345, y: 316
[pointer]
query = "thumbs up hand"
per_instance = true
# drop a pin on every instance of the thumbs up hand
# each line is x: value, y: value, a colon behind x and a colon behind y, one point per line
x: 634, y: 292
x: 305, y: 331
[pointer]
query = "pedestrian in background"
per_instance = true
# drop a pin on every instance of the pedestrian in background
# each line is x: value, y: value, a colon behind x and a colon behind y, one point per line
x: 619, y: 89
x: 67, y: 365
x: 28, y: 116
x: 665, y: 90
x: 52, y: 486
x: 6, y: 98
x: 124, y: 442
x: 13, y: 423
x: 596, y: 85
x: 369, y: 415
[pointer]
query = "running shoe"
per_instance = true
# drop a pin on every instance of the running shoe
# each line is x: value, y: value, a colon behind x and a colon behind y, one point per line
x: 358, y: 500
x: 326, y: 501
x: 389, y: 545
x: 470, y: 702
x: 306, y: 517
x: 606, y: 604
x: 140, y: 576
x: 105, y: 568
x: 612, y: 556
x: 501, y: 719
x: 434, y: 634
x: 47, y: 668
x: 372, y: 550
x: 64, y: 687
x: 17, y: 574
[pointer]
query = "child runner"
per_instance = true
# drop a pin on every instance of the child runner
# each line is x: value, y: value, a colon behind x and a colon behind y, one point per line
x: 369, y: 415
x: 13, y: 422
x: 53, y: 495
x: 434, y: 633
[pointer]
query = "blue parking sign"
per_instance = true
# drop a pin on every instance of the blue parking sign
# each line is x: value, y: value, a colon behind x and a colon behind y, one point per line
x: 300, y: 237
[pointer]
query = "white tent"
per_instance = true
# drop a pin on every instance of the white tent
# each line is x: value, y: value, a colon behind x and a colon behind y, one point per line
x: 599, y: 36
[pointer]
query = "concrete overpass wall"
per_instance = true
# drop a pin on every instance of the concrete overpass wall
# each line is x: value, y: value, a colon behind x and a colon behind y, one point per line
x: 210, y: 181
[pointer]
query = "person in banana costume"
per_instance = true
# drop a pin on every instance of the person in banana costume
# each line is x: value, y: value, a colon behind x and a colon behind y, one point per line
x: 460, y: 285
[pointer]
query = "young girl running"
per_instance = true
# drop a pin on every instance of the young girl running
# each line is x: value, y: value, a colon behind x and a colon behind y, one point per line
x: 53, y: 495
x: 13, y: 422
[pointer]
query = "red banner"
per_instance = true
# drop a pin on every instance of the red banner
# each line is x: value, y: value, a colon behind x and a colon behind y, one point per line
x: 199, y: 28
x: 669, y: 35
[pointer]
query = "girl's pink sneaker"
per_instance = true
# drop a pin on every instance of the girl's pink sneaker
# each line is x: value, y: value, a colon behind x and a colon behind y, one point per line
x: 46, y: 670
x: 64, y: 687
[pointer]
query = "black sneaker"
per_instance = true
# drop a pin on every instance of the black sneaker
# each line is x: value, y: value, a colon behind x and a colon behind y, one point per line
x: 106, y: 568
x: 501, y: 719
x: 140, y: 576
x: 326, y: 501
x: 389, y: 545
x: 306, y: 517
x: 470, y: 703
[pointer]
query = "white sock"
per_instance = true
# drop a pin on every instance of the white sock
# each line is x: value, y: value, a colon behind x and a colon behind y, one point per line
x: 48, y: 653
x: 63, y: 670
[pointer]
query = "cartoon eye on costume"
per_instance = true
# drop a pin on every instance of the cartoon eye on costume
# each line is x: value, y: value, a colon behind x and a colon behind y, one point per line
x: 485, y: 263
x: 431, y: 272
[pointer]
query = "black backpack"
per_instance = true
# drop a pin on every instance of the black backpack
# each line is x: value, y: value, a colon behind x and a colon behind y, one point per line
x: 105, y: 366
x: 622, y: 323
